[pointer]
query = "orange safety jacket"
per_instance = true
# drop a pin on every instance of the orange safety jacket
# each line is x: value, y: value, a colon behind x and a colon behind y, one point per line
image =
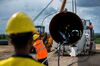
x: 40, y: 49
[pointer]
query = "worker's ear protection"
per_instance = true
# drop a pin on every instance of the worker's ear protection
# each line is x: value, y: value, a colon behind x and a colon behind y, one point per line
x: 63, y: 25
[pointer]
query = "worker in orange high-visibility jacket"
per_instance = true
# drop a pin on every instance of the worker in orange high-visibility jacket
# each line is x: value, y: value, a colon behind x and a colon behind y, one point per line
x: 41, y: 51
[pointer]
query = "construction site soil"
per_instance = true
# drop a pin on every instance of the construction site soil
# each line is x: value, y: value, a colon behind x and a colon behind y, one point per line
x: 92, y: 60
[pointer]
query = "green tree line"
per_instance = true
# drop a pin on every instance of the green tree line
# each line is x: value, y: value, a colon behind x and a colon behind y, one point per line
x: 97, y: 38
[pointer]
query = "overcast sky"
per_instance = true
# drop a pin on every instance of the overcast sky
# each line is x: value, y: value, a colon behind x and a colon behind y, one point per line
x: 86, y: 9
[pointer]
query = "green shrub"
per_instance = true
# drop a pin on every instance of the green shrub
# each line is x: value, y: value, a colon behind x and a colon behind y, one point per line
x: 97, y: 40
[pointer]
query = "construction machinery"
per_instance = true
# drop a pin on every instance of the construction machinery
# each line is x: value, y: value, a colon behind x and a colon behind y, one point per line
x: 72, y: 33
x: 3, y: 39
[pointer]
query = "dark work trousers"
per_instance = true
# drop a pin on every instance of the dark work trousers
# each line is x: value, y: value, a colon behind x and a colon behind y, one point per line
x: 41, y: 60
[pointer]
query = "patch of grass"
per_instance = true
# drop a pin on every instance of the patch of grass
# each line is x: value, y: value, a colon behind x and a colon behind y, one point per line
x: 97, y: 40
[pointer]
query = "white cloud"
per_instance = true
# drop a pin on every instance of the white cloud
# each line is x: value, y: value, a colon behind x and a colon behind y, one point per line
x: 33, y: 7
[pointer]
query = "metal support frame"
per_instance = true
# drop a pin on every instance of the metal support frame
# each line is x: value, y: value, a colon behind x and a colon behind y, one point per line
x: 63, y: 5
x: 59, y: 48
x: 74, y: 6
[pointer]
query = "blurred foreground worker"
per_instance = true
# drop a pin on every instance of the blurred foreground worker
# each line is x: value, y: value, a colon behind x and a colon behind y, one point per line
x: 41, y: 50
x: 20, y: 30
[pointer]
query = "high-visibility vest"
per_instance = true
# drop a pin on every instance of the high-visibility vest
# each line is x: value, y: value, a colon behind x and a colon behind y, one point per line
x: 19, y: 61
x: 40, y: 49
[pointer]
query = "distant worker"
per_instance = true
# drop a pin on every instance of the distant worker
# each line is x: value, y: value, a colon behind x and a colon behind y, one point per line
x: 90, y: 26
x: 50, y: 43
x: 20, y: 30
x: 41, y: 51
x: 91, y: 30
x: 84, y: 24
x: 45, y: 38
x: 50, y: 40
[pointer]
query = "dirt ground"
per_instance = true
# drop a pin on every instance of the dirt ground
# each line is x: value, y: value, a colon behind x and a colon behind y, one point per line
x: 94, y: 60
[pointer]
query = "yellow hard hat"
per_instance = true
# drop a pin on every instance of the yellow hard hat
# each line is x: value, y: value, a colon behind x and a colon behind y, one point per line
x: 20, y: 23
x: 35, y: 36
